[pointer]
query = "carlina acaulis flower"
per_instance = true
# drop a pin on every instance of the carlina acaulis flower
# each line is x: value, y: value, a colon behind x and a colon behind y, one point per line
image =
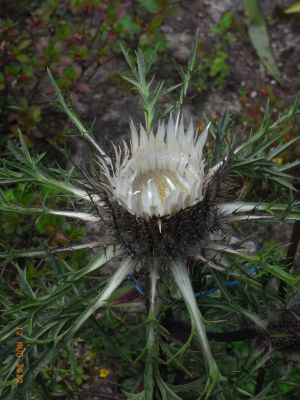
x: 157, y: 202
x: 158, y: 197
x: 160, y: 174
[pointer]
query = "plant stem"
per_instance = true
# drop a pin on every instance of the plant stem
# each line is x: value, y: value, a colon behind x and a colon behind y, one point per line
x: 151, y: 347
x: 292, y: 249
x: 260, y: 380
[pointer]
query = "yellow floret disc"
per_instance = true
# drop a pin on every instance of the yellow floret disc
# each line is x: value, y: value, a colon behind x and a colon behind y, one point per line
x: 164, y: 179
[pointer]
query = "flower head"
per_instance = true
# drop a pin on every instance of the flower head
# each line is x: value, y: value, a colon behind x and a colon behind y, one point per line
x: 161, y: 173
x: 158, y: 196
x: 103, y: 373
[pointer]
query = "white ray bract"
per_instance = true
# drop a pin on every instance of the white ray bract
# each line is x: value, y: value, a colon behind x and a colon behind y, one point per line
x: 160, y: 173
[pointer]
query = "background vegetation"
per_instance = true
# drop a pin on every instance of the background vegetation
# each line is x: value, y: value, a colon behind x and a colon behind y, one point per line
x: 80, y: 41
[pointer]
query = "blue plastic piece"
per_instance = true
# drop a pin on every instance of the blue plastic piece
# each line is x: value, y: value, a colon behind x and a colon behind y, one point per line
x: 201, y: 293
x: 137, y: 287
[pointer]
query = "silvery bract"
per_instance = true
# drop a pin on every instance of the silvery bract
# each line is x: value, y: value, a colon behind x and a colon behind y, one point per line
x: 160, y: 173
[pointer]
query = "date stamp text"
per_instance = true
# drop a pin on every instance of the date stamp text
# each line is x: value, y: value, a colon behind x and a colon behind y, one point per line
x: 20, y: 354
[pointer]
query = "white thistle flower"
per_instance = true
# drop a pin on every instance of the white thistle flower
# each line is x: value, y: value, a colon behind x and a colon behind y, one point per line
x: 161, y: 173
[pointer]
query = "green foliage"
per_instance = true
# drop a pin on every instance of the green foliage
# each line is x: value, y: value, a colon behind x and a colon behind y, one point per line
x: 151, y: 5
x: 257, y: 156
x: 68, y: 38
x: 219, y: 68
x: 224, y: 24
x: 213, y: 61
x: 140, y: 67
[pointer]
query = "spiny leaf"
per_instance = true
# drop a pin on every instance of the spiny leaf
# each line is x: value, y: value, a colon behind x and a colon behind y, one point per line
x: 72, y: 116
x: 182, y: 280
x: 102, y: 299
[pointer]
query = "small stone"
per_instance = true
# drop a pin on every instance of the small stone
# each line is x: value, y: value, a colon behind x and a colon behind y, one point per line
x: 166, y: 29
x: 180, y: 45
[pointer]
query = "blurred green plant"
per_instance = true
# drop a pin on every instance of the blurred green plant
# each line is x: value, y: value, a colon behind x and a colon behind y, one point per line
x: 74, y: 38
x: 219, y: 69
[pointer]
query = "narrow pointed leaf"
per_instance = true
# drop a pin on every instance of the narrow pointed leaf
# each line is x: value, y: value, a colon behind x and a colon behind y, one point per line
x: 182, y: 280
x: 281, y: 211
x: 259, y: 36
x: 73, y: 118
x: 10, y: 207
x: 104, y: 296
x: 275, y: 270
x: 11, y: 254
